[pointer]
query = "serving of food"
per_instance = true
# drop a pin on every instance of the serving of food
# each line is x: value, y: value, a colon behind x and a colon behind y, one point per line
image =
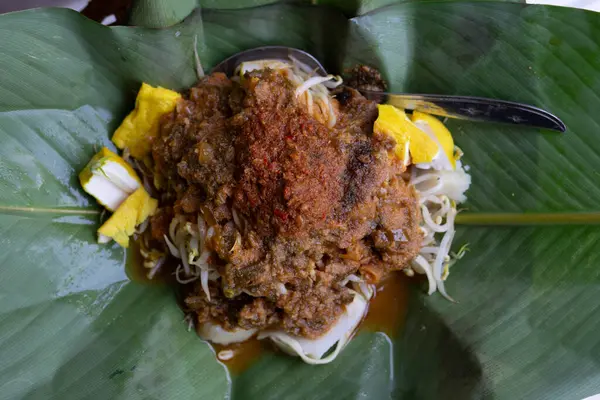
x: 175, y: 236
x: 279, y: 199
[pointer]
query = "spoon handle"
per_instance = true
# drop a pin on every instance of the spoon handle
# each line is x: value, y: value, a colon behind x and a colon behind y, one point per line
x: 472, y: 109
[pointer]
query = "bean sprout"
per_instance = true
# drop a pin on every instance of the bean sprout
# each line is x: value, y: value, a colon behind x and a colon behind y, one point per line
x: 225, y: 355
x: 204, y: 282
x: 199, y: 69
x: 172, y: 248
x: 438, y: 212
x: 154, y: 270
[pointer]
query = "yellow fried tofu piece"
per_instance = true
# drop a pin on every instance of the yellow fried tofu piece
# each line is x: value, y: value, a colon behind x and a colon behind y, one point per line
x: 139, y: 128
x: 435, y: 127
x: 409, y: 138
x: 132, y: 212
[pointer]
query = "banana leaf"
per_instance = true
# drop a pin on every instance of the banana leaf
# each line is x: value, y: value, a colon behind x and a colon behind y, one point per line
x: 162, y: 13
x: 72, y: 325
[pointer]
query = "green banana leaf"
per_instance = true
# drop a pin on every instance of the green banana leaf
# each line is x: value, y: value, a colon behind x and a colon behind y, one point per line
x: 162, y: 13
x: 528, y: 319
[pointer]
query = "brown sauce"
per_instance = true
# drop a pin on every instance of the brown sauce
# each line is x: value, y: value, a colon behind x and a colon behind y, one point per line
x: 388, y: 308
x: 134, y: 264
x: 134, y: 267
x: 245, y: 354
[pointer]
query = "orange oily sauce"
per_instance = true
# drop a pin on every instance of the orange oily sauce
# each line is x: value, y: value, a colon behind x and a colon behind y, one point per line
x: 244, y: 354
x: 135, y: 270
x: 387, y: 309
x: 134, y: 264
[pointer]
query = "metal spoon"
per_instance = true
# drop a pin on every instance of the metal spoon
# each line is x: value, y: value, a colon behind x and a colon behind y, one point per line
x: 460, y: 107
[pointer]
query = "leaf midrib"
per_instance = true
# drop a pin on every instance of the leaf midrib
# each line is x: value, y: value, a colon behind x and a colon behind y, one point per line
x: 583, y: 218
x: 558, y: 218
x: 49, y: 210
